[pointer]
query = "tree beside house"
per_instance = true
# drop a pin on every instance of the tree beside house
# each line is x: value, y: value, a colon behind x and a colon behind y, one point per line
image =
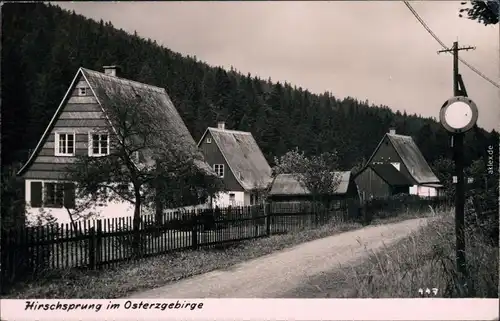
x: 114, y: 147
x: 298, y: 177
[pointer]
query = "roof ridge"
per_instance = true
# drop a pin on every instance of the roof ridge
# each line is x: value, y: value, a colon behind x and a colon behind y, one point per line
x: 229, y: 131
x: 408, y: 136
x: 125, y: 79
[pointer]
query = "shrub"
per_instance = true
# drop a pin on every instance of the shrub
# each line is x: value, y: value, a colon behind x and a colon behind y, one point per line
x: 20, y: 257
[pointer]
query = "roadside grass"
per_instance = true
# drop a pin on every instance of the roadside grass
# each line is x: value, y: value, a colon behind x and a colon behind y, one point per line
x: 127, y: 278
x: 425, y: 259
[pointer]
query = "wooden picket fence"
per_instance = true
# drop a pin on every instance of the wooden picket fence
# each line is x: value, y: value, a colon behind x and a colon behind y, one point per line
x: 95, y: 244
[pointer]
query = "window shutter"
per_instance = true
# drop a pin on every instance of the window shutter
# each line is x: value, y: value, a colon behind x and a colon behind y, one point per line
x: 69, y: 195
x: 56, y: 143
x: 36, y: 194
x: 90, y: 144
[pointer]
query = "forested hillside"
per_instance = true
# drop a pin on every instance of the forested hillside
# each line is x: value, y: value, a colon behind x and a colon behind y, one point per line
x: 43, y: 46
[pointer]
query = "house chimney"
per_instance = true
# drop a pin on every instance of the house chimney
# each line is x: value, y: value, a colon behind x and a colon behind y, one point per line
x: 221, y: 125
x: 392, y: 131
x: 111, y: 70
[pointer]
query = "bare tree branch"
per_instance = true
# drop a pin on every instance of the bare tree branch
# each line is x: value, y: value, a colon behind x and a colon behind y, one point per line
x: 140, y: 126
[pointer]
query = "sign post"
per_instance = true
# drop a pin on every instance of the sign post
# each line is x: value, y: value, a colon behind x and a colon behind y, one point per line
x: 458, y: 115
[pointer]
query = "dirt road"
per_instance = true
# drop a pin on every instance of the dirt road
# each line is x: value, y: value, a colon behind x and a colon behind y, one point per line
x: 272, y: 276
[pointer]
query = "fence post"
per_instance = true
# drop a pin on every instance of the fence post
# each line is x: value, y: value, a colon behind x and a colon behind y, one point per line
x: 98, y: 245
x: 92, y: 248
x: 194, y: 231
x: 254, y: 213
x: 315, y: 213
x: 267, y: 214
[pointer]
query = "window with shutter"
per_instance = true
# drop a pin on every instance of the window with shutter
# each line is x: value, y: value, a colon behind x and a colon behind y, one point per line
x: 36, y: 194
x: 54, y: 195
x: 69, y: 195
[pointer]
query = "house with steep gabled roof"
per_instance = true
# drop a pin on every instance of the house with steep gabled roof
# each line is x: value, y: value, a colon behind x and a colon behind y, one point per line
x: 401, y: 152
x: 236, y: 157
x: 79, y: 127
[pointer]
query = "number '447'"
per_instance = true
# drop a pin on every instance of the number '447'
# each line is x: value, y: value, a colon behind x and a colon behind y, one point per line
x: 427, y: 292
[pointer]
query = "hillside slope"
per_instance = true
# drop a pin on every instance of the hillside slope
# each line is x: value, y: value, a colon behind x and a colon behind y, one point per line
x: 43, y: 46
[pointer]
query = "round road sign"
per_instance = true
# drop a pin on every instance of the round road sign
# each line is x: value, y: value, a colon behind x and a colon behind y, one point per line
x: 458, y: 114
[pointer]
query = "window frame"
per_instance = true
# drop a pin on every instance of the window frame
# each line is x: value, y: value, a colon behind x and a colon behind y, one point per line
x: 44, y: 191
x: 222, y: 170
x: 54, y: 204
x: 91, y: 143
x: 209, y: 140
x: 82, y: 91
x: 57, y: 143
x: 232, y: 200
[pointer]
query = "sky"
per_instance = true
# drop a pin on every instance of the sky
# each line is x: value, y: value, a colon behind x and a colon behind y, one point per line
x: 370, y: 50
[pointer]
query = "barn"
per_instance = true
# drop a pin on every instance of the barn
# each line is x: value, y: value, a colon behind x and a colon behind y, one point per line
x: 381, y: 180
x: 403, y: 154
x: 287, y: 188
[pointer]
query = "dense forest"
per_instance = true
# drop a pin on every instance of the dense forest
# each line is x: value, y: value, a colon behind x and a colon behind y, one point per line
x: 43, y: 46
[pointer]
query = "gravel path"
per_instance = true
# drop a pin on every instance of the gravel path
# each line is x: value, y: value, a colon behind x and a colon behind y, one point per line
x: 272, y: 276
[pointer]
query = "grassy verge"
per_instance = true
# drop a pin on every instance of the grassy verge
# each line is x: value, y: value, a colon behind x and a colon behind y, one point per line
x: 154, y: 272
x: 426, y: 259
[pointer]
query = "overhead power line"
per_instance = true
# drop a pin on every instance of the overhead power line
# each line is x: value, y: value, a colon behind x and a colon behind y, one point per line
x: 446, y: 48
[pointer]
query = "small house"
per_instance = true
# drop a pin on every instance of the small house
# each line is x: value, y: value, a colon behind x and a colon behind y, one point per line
x: 381, y: 180
x: 236, y: 157
x: 80, y: 126
x: 288, y: 188
x: 401, y: 152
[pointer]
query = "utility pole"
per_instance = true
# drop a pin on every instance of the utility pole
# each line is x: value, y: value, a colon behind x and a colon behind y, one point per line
x: 458, y: 155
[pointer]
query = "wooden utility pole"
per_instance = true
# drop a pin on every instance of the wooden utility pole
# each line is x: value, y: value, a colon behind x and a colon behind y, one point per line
x: 458, y: 155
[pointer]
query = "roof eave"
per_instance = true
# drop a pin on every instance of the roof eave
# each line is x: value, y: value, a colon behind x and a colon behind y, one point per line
x: 202, y: 137
x: 50, y: 125
x: 376, y: 150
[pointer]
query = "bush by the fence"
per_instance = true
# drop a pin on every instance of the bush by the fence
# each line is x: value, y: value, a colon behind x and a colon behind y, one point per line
x: 388, y: 206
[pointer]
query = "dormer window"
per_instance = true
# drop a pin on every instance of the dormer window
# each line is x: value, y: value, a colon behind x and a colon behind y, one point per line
x: 209, y: 140
x: 82, y: 91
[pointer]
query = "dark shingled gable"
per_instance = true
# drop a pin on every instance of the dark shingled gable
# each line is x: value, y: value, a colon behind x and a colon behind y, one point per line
x: 412, y: 158
x: 390, y: 174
